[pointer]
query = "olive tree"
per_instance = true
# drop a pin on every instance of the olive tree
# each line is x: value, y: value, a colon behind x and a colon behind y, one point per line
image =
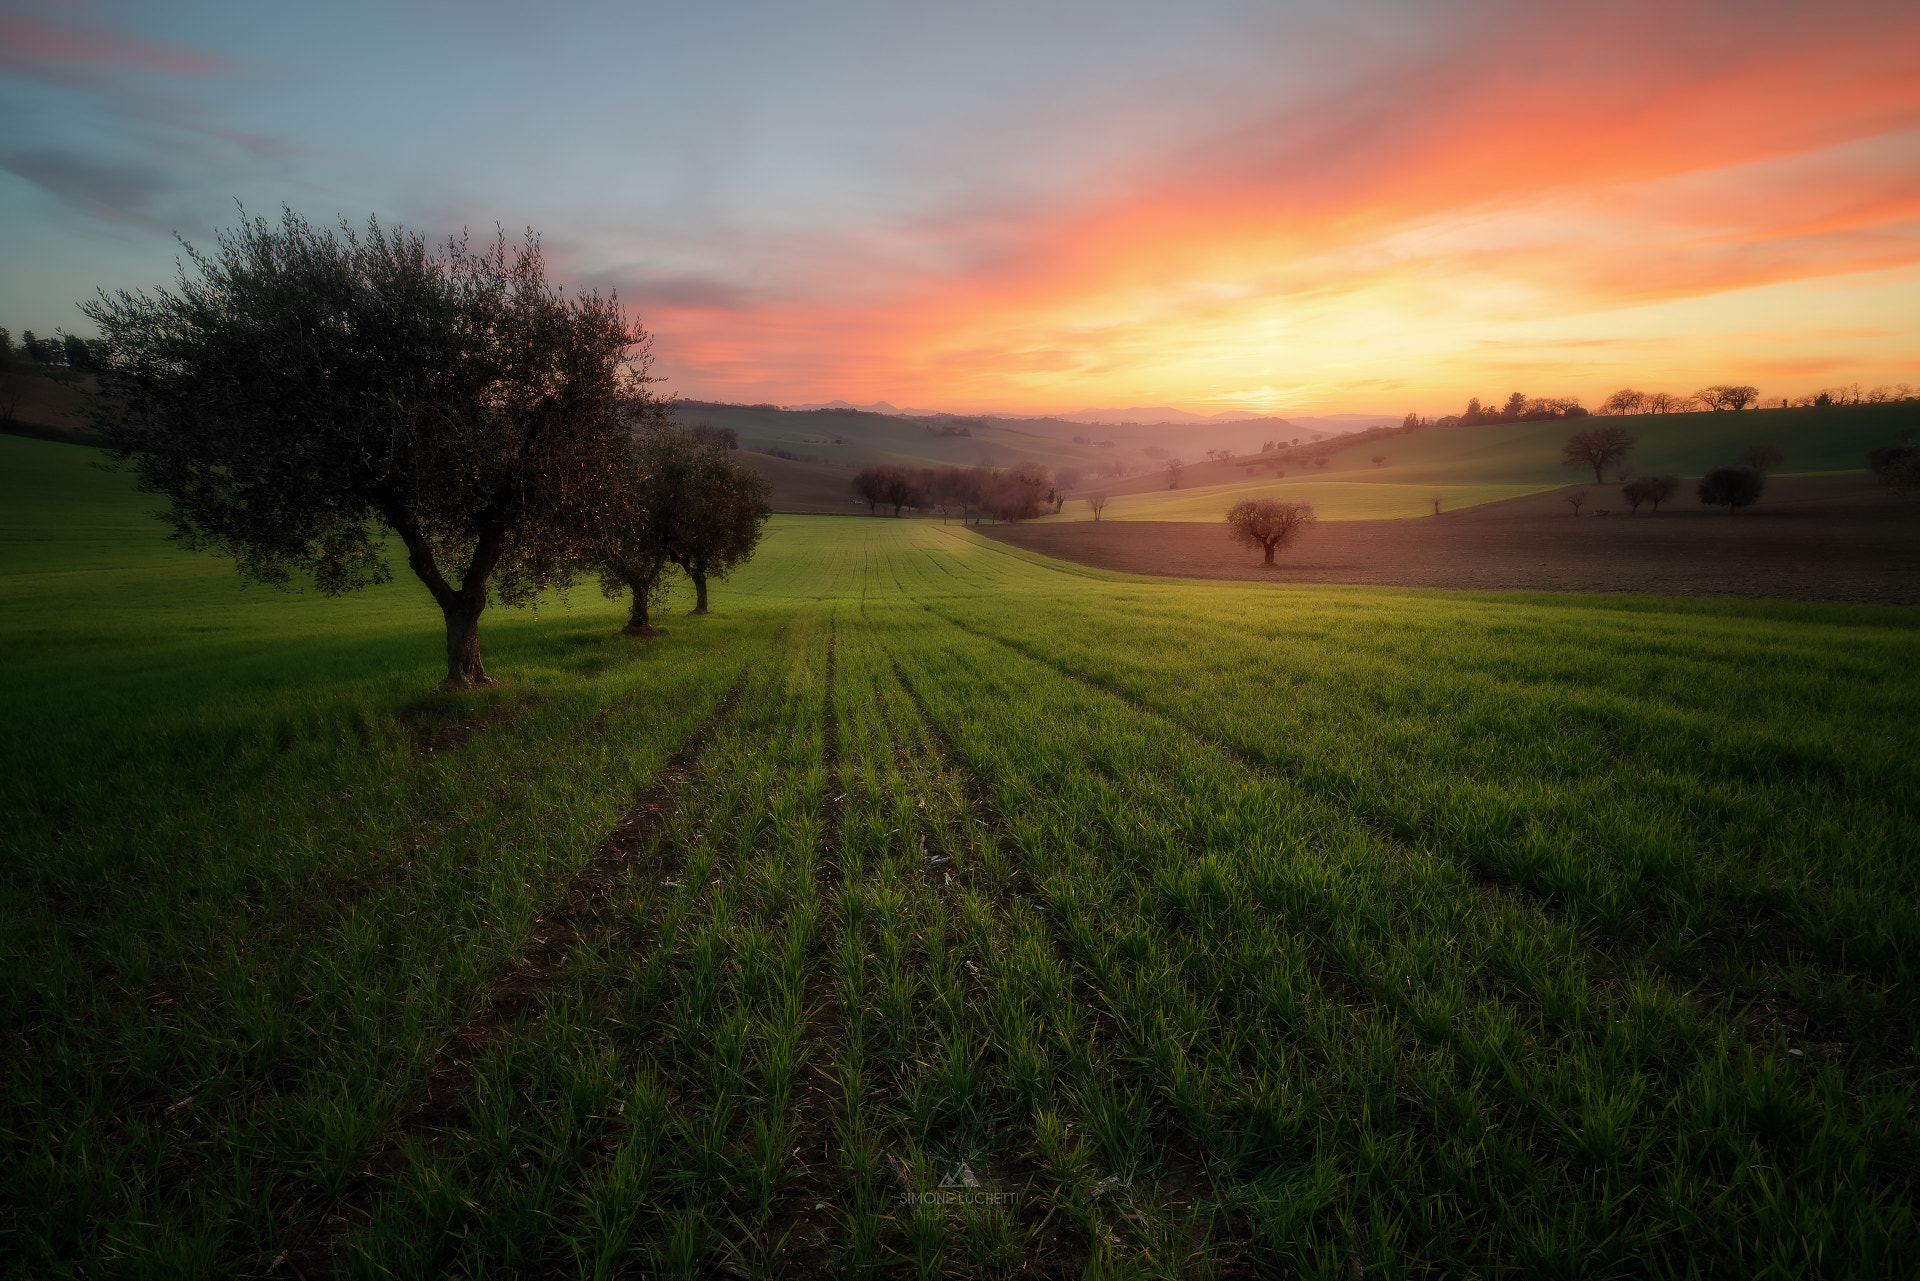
x: 684, y: 503
x: 1598, y: 448
x: 713, y: 512
x: 1267, y: 523
x: 302, y: 391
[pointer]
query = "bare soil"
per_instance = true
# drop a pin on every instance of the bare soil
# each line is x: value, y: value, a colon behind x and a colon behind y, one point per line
x: 1828, y: 537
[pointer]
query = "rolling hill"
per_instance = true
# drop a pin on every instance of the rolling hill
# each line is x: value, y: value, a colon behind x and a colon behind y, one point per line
x: 1471, y: 465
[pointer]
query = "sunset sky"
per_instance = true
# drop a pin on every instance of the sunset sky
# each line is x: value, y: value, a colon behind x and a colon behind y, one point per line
x: 1032, y: 207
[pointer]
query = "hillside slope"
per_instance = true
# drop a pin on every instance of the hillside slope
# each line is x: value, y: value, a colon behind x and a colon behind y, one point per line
x: 851, y: 439
x: 1814, y: 440
x: 1469, y: 465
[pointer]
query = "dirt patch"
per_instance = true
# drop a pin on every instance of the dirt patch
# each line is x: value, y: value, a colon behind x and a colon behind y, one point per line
x: 1831, y: 538
x: 438, y: 725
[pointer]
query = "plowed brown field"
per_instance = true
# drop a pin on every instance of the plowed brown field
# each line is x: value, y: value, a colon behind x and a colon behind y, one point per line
x: 1833, y: 537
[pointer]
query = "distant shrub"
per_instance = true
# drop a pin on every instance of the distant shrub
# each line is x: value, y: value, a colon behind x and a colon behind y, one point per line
x: 1898, y: 465
x: 718, y: 437
x: 1732, y: 488
x: 1649, y: 489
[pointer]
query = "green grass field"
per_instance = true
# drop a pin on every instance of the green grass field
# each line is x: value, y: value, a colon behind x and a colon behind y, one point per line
x: 1814, y: 440
x: 1205, y: 929
x: 1468, y: 466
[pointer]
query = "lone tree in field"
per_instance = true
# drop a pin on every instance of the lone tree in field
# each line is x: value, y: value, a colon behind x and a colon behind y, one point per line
x: 1267, y: 523
x: 1174, y: 468
x: 1732, y: 488
x: 1765, y: 459
x: 1576, y: 500
x: 1098, y: 502
x: 1598, y: 448
x: 302, y: 391
x: 713, y: 510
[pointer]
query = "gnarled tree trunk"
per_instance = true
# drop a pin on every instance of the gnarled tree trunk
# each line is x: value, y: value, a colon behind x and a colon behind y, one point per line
x: 637, y: 622
x: 464, y: 668
x: 461, y: 607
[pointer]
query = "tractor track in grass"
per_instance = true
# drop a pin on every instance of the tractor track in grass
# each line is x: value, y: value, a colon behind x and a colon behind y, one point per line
x: 180, y: 1104
x: 1187, y: 1178
x: 584, y: 908
x: 826, y: 1024
x: 1603, y: 971
x: 1761, y: 1020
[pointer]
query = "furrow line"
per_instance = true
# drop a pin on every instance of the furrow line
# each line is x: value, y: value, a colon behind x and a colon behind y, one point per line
x: 815, y: 1181
x: 1759, y: 1026
x: 516, y: 993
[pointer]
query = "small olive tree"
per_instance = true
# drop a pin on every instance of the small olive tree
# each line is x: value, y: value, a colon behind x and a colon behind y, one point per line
x: 715, y: 512
x: 1267, y: 523
x: 303, y: 391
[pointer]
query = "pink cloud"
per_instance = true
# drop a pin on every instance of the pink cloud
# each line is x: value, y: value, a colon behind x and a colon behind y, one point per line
x: 33, y: 45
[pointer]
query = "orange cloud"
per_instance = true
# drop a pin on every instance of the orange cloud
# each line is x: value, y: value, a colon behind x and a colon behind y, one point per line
x: 1547, y: 164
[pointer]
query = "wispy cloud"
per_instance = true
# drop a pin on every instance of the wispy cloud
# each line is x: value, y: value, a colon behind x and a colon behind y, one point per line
x: 1540, y: 162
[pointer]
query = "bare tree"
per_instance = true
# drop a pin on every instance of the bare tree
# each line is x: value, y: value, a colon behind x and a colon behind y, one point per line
x: 1267, y: 523
x: 1098, y: 502
x: 1624, y: 401
x: 1435, y: 500
x: 902, y: 488
x: 1174, y: 468
x: 1597, y: 447
x: 1576, y: 500
x: 301, y: 392
x: 1726, y: 396
x: 1635, y: 492
x: 1765, y: 459
x: 871, y: 484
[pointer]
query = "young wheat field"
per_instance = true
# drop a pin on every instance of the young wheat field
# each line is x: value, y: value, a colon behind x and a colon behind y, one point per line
x: 934, y: 909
